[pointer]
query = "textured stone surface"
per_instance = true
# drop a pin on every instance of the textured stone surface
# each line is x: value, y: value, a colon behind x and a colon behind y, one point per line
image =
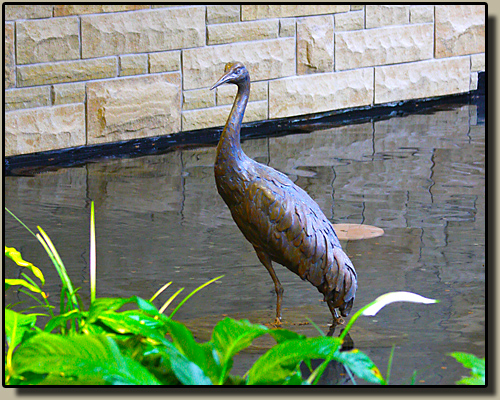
x: 28, y: 11
x: 356, y: 7
x: 133, y: 64
x: 421, y: 79
x: 79, y: 9
x: 349, y: 21
x: 223, y: 13
x: 318, y: 93
x: 380, y: 46
x: 378, y: 15
x: 46, y: 128
x: 145, y: 31
x: 421, y: 14
x: 460, y: 30
x: 267, y: 59
x: 227, y: 93
x: 47, y: 40
x: 473, y: 81
x: 68, y: 71
x: 68, y: 93
x: 164, y: 61
x: 243, y: 31
x: 261, y: 11
x: 287, y: 27
x: 198, y: 98
x: 135, y: 107
x: 16, y: 99
x: 478, y: 62
x: 10, y: 69
x: 217, y: 116
x: 315, y: 44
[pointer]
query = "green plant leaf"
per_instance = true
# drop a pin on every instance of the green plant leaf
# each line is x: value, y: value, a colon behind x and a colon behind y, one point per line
x: 16, y: 325
x: 105, y: 304
x: 361, y: 365
x: 62, y: 320
x: 282, y: 360
x: 21, y: 282
x: 187, y: 371
x: 15, y: 256
x: 203, y: 355
x: 230, y: 337
x: 475, y: 364
x: 134, y: 322
x: 86, y: 358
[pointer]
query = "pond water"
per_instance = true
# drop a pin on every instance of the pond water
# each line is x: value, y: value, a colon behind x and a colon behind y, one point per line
x: 419, y: 177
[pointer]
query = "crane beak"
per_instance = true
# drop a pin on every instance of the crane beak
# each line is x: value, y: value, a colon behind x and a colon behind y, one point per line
x: 224, y: 78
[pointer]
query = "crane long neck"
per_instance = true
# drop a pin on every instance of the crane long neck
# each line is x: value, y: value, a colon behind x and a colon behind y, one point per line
x: 230, y: 138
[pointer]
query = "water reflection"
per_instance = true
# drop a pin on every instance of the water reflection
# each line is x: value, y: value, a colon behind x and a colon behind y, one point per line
x: 421, y: 178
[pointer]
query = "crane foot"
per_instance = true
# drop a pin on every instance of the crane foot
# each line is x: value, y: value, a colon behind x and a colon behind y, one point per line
x: 277, y: 323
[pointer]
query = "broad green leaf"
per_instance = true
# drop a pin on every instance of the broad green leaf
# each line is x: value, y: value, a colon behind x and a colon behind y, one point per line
x: 203, y: 355
x: 87, y: 358
x: 61, y: 320
x: 361, y: 365
x: 475, y: 364
x: 134, y: 322
x: 15, y: 256
x: 282, y: 360
x: 187, y: 371
x: 104, y: 304
x: 16, y: 325
x: 21, y: 282
x: 282, y: 335
x: 230, y: 337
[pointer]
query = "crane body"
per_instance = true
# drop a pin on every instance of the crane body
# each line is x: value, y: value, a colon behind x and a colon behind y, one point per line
x: 282, y: 222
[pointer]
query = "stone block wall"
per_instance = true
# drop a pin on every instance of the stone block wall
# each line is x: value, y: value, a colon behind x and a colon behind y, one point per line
x: 88, y: 74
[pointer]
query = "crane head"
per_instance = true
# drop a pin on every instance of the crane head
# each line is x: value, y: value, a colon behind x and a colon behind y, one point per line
x: 234, y: 72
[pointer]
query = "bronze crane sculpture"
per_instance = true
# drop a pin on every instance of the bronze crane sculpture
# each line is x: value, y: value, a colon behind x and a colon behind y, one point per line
x: 277, y: 217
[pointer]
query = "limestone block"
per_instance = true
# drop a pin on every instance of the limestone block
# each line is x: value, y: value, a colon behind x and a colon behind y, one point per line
x: 67, y: 71
x: 267, y: 59
x: 315, y: 44
x: 478, y: 62
x: 421, y: 14
x: 223, y: 13
x: 242, y: 31
x: 318, y: 93
x: 473, y: 81
x: 217, y: 116
x: 28, y: 11
x: 16, y: 99
x: 47, y: 40
x: 10, y: 67
x: 134, y: 107
x: 165, y: 61
x: 421, y: 79
x: 68, y: 93
x: 79, y: 9
x: 227, y: 93
x: 350, y: 21
x: 356, y: 7
x: 388, y: 45
x: 383, y: 15
x: 133, y: 64
x: 262, y: 11
x: 45, y: 128
x: 287, y: 27
x: 198, y: 98
x: 146, y: 31
x: 460, y: 30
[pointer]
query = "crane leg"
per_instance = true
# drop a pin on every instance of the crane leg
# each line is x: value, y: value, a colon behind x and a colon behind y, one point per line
x: 266, y: 261
x: 337, y: 319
